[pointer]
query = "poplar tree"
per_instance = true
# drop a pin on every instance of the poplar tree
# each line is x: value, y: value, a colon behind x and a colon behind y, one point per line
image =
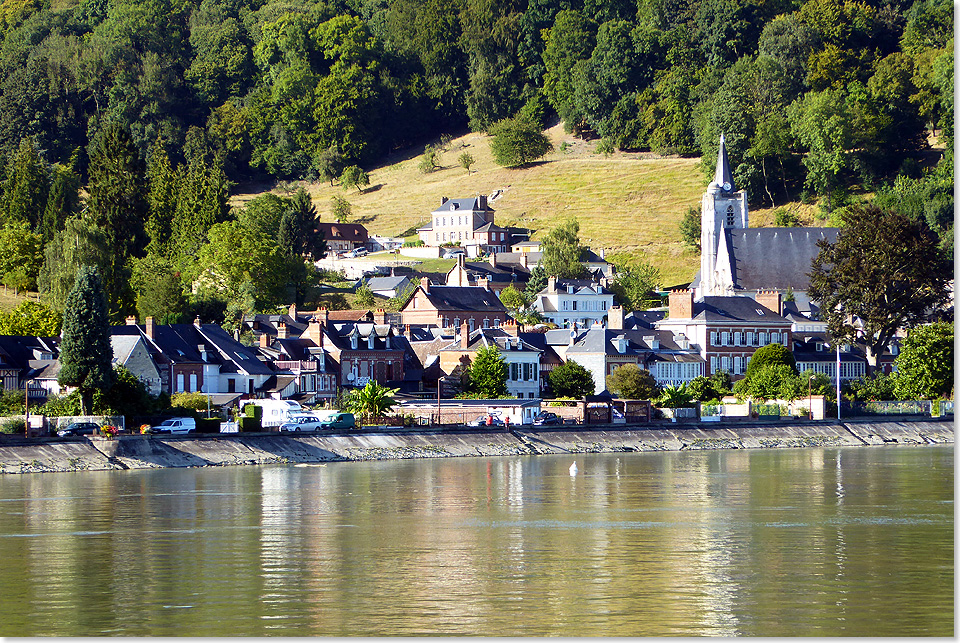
x: 26, y: 187
x: 85, y: 352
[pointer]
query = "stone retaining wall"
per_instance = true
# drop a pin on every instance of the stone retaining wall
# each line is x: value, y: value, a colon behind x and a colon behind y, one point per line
x: 146, y: 452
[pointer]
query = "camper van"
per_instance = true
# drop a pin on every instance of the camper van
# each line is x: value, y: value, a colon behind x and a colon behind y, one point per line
x: 275, y: 412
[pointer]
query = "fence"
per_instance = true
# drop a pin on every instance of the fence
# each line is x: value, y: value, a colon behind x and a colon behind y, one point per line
x: 935, y: 408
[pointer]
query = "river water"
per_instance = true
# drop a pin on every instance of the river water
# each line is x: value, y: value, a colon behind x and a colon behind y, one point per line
x: 804, y: 542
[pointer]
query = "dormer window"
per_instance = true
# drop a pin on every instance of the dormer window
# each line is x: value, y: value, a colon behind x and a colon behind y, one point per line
x: 353, y: 341
x: 370, y: 339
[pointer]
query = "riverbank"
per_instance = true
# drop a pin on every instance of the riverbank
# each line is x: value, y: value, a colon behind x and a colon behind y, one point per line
x: 150, y: 452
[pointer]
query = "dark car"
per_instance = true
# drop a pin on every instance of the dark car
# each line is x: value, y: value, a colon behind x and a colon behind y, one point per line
x: 546, y: 417
x: 79, y: 428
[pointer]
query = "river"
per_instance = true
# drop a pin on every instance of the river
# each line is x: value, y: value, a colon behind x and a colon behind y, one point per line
x: 801, y: 542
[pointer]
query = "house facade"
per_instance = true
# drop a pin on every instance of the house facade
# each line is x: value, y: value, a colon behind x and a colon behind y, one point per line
x: 366, y: 351
x: 467, y: 222
x: 522, y: 358
x: 569, y: 302
x: 343, y: 237
x: 451, y: 306
x: 727, y: 330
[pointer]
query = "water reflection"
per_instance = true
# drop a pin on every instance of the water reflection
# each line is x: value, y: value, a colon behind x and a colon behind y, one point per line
x: 719, y: 543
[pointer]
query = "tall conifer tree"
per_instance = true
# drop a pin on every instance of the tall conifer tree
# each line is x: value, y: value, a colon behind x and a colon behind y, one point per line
x: 85, y: 350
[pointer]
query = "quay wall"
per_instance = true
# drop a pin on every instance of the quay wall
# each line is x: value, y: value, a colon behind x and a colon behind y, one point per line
x: 148, y: 452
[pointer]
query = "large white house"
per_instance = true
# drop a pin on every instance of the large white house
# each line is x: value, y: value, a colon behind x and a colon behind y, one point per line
x: 566, y: 302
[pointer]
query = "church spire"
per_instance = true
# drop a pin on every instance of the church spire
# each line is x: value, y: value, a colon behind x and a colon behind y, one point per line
x: 723, y: 177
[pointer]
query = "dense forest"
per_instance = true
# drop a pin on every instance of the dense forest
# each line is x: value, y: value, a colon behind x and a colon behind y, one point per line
x: 156, y: 106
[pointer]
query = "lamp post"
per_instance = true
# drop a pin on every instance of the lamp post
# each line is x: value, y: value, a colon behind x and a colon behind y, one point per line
x: 838, y: 379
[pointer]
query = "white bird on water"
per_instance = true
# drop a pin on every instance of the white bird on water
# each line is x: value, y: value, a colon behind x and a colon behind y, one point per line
x: 573, y: 468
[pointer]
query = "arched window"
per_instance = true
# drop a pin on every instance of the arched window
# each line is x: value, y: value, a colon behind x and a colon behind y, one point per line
x: 730, y: 218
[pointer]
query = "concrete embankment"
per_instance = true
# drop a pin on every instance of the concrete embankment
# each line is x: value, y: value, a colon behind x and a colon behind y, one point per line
x: 146, y: 452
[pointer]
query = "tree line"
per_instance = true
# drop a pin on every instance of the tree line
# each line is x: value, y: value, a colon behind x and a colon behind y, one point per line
x: 822, y: 93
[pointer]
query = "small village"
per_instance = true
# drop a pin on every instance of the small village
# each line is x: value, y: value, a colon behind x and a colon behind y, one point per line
x: 750, y: 295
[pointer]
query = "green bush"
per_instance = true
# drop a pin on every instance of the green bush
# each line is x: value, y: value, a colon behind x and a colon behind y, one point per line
x: 14, y: 426
x: 247, y: 424
x: 208, y: 425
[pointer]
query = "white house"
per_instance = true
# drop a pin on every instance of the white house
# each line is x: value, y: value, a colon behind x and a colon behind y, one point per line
x: 566, y: 302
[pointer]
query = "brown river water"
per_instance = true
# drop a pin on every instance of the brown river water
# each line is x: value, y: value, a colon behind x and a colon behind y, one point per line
x: 803, y: 542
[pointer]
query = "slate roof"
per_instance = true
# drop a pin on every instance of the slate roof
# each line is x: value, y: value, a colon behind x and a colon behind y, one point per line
x: 464, y: 298
x: 775, y: 258
x: 470, y: 204
x: 580, y: 287
x: 122, y: 346
x: 17, y: 351
x: 339, y: 333
x: 377, y: 284
x: 735, y: 309
x: 499, y: 273
x: 483, y: 337
x: 263, y: 323
x: 490, y: 227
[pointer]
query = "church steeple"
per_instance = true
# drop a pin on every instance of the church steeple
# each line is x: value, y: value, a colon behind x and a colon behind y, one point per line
x: 723, y: 177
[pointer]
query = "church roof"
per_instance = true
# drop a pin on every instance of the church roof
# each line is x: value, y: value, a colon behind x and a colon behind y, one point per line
x: 775, y: 258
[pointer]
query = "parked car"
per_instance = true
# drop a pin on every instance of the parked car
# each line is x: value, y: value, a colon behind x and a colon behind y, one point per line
x: 79, y: 428
x: 305, y: 422
x: 176, y: 425
x: 545, y: 418
x: 452, y: 254
x: 339, y: 422
x: 482, y: 421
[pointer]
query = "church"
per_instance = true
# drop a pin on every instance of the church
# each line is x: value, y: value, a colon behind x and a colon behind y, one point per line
x: 737, y: 260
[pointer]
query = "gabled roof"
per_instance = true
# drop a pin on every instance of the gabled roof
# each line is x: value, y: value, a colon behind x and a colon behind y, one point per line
x: 343, y: 232
x: 496, y: 337
x: 19, y: 351
x: 736, y: 309
x: 604, y: 341
x: 490, y: 227
x: 498, y: 273
x: 775, y: 258
x: 386, y: 283
x: 123, y: 346
x: 339, y: 333
x: 463, y: 298
x: 230, y: 350
x: 580, y: 287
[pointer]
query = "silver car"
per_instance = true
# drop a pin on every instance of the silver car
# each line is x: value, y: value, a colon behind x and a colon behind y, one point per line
x: 301, y: 423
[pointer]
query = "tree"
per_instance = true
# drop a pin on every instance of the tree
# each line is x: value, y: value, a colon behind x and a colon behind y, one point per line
x: 298, y: 234
x: 488, y: 373
x: 562, y: 251
x: 773, y: 381
x: 466, y: 160
x: 364, y: 297
x: 925, y: 363
x: 635, y: 284
x: 158, y: 289
x: 673, y: 397
x: 513, y: 299
x: 25, y: 189
x: 633, y: 383
x: 705, y: 389
x: 430, y: 159
x: 340, y: 208
x: 571, y: 379
x: 85, y: 350
x: 21, y: 254
x: 354, y: 177
x: 118, y: 205
x: 783, y: 218
x: 690, y: 229
x: 517, y: 142
x: 771, y: 355
x: 79, y: 243
x: 63, y: 201
x: 372, y: 401
x: 31, y: 318
x: 329, y: 164
x: 537, y: 282
x: 884, y: 273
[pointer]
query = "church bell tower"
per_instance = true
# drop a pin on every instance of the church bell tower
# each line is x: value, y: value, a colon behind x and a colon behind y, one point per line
x: 723, y: 207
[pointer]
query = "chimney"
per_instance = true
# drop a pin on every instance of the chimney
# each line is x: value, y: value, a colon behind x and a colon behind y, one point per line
x: 482, y: 202
x: 314, y: 331
x: 132, y: 320
x: 196, y: 322
x: 324, y: 316
x: 483, y: 282
x: 406, y: 330
x: 551, y: 284
x: 282, y: 331
x: 425, y: 284
x: 573, y: 335
x: 771, y: 299
x: 443, y: 200
x: 148, y: 327
x: 493, y: 259
x: 380, y: 316
x: 293, y: 311
x: 511, y: 328
x: 464, y: 336
x: 681, y: 304
x: 264, y: 340
x: 523, y: 259
x: 615, y: 318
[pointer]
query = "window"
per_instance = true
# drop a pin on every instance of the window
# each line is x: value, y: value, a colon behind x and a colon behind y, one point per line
x: 574, y: 304
x: 774, y: 338
x: 713, y: 364
x: 737, y: 338
x: 730, y: 216
x: 514, y: 372
x: 724, y: 338
x: 713, y: 338
x: 231, y: 385
x: 762, y: 339
x: 472, y: 324
x: 750, y: 338
x: 486, y: 323
x: 496, y: 323
x: 526, y: 372
x: 193, y: 383
x: 738, y: 365
x: 456, y: 323
x: 438, y: 236
x: 725, y: 363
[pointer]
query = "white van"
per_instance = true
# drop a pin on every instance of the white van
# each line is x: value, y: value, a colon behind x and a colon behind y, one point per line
x: 275, y: 412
